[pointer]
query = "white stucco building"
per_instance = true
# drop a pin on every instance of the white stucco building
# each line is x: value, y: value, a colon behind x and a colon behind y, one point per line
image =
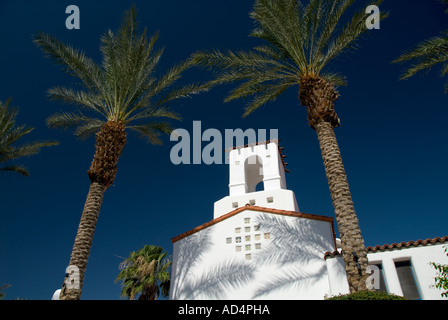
x: 260, y: 246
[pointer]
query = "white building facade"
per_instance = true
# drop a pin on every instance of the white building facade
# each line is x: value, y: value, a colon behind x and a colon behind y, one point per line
x: 404, y: 269
x: 260, y: 246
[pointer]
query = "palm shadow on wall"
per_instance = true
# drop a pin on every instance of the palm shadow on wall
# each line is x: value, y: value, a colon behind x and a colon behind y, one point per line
x: 217, y: 278
x: 292, y: 245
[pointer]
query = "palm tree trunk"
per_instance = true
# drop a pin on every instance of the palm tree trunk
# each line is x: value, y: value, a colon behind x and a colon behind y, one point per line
x: 319, y: 96
x: 352, y: 242
x: 110, y: 142
x: 83, y: 240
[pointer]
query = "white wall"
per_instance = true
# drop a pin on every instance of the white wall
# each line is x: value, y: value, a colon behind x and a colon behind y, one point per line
x: 275, y: 199
x: 289, y: 265
x: 419, y: 256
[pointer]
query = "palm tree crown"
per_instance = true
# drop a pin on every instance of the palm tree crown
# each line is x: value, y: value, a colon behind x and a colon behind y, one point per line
x: 145, y: 272
x: 10, y: 134
x: 300, y: 40
x: 124, y: 88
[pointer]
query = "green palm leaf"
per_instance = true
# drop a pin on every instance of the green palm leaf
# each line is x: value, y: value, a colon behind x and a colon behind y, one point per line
x: 426, y: 55
x: 145, y: 272
x: 10, y: 135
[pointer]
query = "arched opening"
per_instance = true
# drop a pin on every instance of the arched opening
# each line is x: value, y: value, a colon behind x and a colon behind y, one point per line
x: 253, y: 167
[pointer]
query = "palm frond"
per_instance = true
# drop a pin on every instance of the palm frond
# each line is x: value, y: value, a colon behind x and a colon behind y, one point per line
x: 267, y: 94
x: 348, y: 36
x: 144, y: 270
x: 84, y: 125
x: 10, y: 135
x: 81, y: 98
x: 16, y: 168
x: 74, y: 61
x: 426, y: 55
x: 152, y: 131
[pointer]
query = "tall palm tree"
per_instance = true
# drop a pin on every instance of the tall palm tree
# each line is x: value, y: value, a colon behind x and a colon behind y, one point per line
x: 145, y: 272
x: 10, y: 134
x: 300, y: 40
x: 123, y: 92
x: 427, y: 54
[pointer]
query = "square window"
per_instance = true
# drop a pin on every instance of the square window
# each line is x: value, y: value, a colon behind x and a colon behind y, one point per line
x: 252, y: 202
x: 248, y: 256
x: 228, y: 240
x: 257, y: 227
x: 267, y: 235
x: 257, y: 237
x: 270, y: 199
x: 238, y: 239
x: 258, y: 246
x: 247, y: 247
x: 247, y: 238
x: 235, y: 204
x: 238, y: 248
x: 246, y: 220
x: 247, y: 229
x: 237, y: 230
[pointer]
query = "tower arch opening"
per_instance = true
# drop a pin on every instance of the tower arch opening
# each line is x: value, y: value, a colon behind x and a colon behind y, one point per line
x: 253, y: 167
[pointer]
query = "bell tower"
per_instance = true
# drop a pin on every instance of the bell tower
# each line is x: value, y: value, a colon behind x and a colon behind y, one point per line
x: 257, y: 178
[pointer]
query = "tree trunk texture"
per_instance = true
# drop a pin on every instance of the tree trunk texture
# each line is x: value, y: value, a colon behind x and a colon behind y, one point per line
x: 84, y: 238
x: 110, y: 142
x: 352, y: 242
x: 318, y: 96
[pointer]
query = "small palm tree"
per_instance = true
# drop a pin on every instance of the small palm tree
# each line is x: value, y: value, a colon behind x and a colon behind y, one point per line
x: 427, y: 54
x: 122, y: 93
x: 300, y: 41
x: 145, y: 272
x: 10, y: 134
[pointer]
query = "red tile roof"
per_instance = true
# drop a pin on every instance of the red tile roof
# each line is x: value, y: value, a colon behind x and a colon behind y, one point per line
x: 407, y: 244
x: 396, y: 245
x: 256, y: 208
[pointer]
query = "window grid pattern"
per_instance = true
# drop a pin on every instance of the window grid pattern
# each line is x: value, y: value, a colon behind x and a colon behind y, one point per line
x: 247, y: 238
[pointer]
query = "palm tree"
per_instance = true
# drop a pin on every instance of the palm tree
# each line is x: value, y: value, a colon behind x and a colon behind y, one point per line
x: 145, y: 272
x: 121, y: 93
x: 300, y: 40
x: 427, y: 55
x: 10, y: 134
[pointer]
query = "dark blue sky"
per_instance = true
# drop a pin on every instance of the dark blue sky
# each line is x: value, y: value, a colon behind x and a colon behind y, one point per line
x: 393, y: 140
